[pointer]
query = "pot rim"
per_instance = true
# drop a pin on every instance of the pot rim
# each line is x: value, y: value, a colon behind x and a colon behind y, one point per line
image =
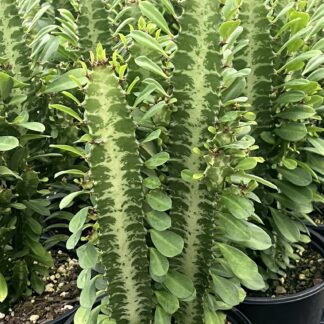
x: 236, y: 315
x: 297, y: 296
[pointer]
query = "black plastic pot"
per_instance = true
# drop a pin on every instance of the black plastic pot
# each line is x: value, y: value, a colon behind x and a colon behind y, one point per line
x: 236, y: 317
x: 65, y: 318
x: 319, y: 229
x: 301, y: 308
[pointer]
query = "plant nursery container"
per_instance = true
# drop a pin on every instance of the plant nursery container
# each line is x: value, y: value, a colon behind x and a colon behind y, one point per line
x: 65, y: 318
x: 305, y: 307
x: 319, y: 229
x: 236, y: 317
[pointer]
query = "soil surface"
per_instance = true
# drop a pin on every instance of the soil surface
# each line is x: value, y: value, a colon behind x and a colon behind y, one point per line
x: 61, y: 294
x: 308, y: 272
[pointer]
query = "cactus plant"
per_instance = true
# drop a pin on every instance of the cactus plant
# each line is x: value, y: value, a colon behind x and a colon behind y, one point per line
x: 286, y: 95
x: 188, y: 177
x: 147, y: 51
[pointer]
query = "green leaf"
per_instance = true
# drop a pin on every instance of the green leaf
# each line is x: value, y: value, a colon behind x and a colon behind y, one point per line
x: 286, y: 226
x: 243, y: 267
x: 235, y: 229
x: 168, y: 243
x: 82, y: 315
x: 83, y: 277
x: 317, y: 75
x: 169, y: 7
x: 39, y: 253
x: 78, y: 220
x: 179, y: 285
x: 34, y: 226
x: 227, y: 290
x: 318, y: 144
x: 67, y: 200
x: 71, y: 171
x: 37, y: 283
x: 239, y: 207
x: 67, y: 110
x: 268, y: 137
x: 3, y: 288
x: 73, y: 240
x: 146, y: 40
x: 313, y: 63
x: 152, y: 13
x: 66, y: 82
x: 227, y: 28
x: 297, y: 112
x: 259, y: 239
x: 290, y: 97
x: 159, y: 200
x: 4, y: 171
x: 37, y: 127
x: 302, y: 195
x: 212, y: 317
x: 152, y: 136
x: 38, y: 206
x: 87, y: 255
x: 297, y: 176
x: 155, y: 109
x: 161, y: 317
x: 158, y: 87
x: 88, y: 294
x: 147, y: 64
x: 158, y: 220
x: 145, y: 94
x: 8, y: 143
x: 152, y: 182
x: 71, y: 149
x: 157, y: 160
x: 247, y: 164
x: 260, y: 180
x: 291, y: 132
x: 159, y: 264
x: 6, y: 85
x: 168, y: 302
x: 290, y: 164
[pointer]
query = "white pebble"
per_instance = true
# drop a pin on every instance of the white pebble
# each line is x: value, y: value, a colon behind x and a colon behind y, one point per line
x: 57, y: 276
x: 67, y: 307
x: 52, y: 277
x: 61, y: 269
x: 34, y: 318
x: 49, y: 287
x: 63, y: 294
x: 2, y: 315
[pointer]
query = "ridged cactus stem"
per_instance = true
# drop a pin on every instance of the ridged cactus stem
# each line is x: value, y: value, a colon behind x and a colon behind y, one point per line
x: 12, y: 42
x: 115, y: 170
x: 196, y: 81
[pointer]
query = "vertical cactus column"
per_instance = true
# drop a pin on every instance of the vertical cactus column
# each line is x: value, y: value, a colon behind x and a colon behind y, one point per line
x: 94, y: 25
x: 196, y: 82
x: 12, y: 43
x: 115, y: 170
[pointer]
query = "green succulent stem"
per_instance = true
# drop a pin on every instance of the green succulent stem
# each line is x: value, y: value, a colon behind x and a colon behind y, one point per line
x: 13, y: 46
x: 115, y: 170
x: 196, y: 81
x: 94, y: 26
